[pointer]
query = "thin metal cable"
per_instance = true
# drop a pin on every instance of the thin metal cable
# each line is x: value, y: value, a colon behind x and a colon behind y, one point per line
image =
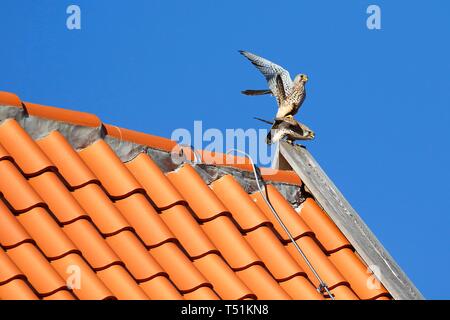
x: 322, y: 284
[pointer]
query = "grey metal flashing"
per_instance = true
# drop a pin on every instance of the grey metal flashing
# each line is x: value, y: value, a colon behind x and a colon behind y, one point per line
x: 349, y: 222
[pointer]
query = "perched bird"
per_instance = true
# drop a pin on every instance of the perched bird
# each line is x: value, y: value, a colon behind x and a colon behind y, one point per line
x: 289, y: 94
x: 288, y: 128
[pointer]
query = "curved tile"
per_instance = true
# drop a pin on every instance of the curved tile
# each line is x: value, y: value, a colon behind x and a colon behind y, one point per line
x: 323, y: 266
x: 4, y: 155
x: 91, y: 244
x: 63, y: 115
x: 242, y: 208
x: 122, y: 285
x: 179, y: 268
x: 17, y: 290
x: 85, y: 287
x: 323, y: 227
x: 233, y: 247
x: 132, y: 252
x: 160, y: 288
x: 274, y: 255
x: 140, y: 138
x: 190, y: 185
x: 10, y: 99
x: 57, y: 197
x: 67, y: 160
x: 46, y: 233
x: 188, y: 232
x: 225, y: 282
x: 262, y: 284
x: 102, y: 160
x: 12, y: 232
x: 8, y: 270
x: 100, y: 209
x: 154, y: 181
x: 361, y: 279
x: 296, y: 226
x: 299, y: 288
x: 343, y: 292
x: 16, y: 189
x: 283, y: 176
x: 23, y: 149
x: 36, y: 268
x: 144, y: 219
x: 60, y: 295
x: 202, y: 293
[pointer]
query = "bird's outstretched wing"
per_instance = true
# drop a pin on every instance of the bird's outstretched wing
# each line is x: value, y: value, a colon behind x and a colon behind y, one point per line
x: 279, y: 79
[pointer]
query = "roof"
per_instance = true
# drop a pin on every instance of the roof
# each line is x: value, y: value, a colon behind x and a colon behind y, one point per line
x: 82, y: 198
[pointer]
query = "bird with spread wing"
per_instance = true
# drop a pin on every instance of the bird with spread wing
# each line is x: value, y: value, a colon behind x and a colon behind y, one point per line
x: 289, y: 94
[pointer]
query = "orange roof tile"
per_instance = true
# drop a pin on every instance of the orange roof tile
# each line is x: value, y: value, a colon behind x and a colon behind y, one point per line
x: 137, y: 232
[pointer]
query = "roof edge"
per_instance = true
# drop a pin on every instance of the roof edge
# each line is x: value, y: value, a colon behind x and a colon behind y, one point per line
x: 350, y: 223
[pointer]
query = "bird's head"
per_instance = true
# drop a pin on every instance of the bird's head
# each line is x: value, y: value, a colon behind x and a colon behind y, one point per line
x: 303, y: 78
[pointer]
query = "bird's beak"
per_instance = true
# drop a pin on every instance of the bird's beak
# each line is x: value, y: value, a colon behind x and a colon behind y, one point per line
x: 312, y: 135
x: 305, y: 78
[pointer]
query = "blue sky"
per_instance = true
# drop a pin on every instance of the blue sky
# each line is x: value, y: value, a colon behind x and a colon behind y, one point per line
x: 378, y: 100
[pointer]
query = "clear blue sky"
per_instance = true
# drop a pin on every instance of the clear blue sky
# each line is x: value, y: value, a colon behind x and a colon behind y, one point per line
x: 379, y: 101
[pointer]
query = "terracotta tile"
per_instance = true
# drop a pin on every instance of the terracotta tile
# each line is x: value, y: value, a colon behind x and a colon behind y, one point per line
x: 273, y: 254
x: 191, y: 186
x: 180, y: 269
x: 228, y: 160
x: 160, y: 288
x: 361, y: 279
x: 225, y: 282
x: 23, y: 149
x: 262, y: 284
x: 343, y: 292
x: 102, y: 160
x: 11, y: 231
x: 154, y: 181
x: 91, y: 244
x: 122, y: 285
x: 8, y: 270
x: 89, y: 287
x: 57, y: 197
x: 66, y: 159
x: 296, y: 226
x: 202, y: 293
x: 45, y: 231
x: 60, y: 295
x: 144, y: 219
x: 187, y: 231
x: 100, y: 209
x: 16, y: 189
x: 299, y: 288
x: 379, y: 298
x: 36, y: 268
x: 132, y: 252
x: 323, y: 227
x: 64, y: 115
x: 17, y: 290
x: 323, y: 266
x: 140, y: 138
x: 4, y: 155
x: 243, y: 209
x: 233, y: 247
x: 284, y: 176
x: 9, y: 99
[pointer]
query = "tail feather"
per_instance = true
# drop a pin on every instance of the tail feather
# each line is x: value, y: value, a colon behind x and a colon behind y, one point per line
x: 256, y: 92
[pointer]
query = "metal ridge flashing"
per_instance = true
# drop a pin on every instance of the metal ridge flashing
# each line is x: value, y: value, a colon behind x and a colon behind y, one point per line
x: 348, y: 221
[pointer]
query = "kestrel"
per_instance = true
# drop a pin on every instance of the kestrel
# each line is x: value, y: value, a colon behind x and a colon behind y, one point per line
x: 288, y: 128
x: 289, y: 94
